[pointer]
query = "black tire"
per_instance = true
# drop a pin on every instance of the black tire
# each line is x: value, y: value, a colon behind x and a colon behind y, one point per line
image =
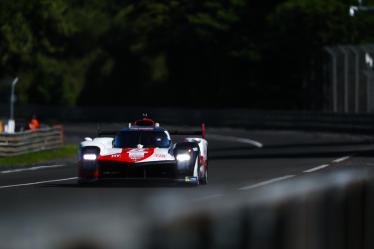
x: 204, y: 180
x: 197, y: 182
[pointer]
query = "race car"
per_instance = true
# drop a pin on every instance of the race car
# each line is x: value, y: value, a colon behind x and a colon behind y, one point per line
x: 144, y: 150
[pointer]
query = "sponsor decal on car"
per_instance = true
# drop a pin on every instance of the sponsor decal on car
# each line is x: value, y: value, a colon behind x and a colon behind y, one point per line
x: 190, y: 179
x: 160, y: 155
x: 136, y: 154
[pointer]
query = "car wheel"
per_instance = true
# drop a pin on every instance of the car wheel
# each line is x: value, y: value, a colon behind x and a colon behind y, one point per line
x: 204, y: 179
x: 197, y: 181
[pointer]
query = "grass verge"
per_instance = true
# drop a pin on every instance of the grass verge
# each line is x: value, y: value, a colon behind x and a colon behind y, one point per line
x: 34, y: 157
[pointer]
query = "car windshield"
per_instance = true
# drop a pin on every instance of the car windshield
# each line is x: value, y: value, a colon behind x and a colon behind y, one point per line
x: 130, y: 139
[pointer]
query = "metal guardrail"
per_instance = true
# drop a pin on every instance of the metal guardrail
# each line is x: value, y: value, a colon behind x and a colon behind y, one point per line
x: 30, y: 141
x: 212, y: 117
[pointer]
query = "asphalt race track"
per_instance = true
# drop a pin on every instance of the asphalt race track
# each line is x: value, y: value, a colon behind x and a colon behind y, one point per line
x: 43, y: 207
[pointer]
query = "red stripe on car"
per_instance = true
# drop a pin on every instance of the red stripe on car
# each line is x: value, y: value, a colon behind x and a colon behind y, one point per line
x: 130, y: 155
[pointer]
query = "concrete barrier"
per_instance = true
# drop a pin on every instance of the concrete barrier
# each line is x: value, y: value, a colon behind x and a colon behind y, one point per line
x: 332, y: 211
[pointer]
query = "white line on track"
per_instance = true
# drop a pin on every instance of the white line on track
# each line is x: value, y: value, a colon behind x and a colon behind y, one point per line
x: 37, y: 183
x: 260, y: 184
x: 316, y: 168
x: 32, y: 168
x: 339, y: 160
x: 236, y: 139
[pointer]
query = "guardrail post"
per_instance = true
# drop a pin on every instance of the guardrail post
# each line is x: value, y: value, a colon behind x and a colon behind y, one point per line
x: 61, y: 128
x: 346, y: 79
x: 333, y: 55
x: 356, y: 52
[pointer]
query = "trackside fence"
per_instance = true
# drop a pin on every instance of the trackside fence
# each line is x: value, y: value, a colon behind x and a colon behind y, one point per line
x: 30, y: 141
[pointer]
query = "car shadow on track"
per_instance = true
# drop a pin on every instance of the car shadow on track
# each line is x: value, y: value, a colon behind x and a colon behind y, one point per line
x: 118, y: 185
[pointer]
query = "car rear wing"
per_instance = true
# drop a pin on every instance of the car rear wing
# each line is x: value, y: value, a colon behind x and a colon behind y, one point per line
x: 190, y: 132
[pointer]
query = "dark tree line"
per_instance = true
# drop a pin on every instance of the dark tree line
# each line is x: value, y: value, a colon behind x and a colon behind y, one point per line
x: 247, y: 53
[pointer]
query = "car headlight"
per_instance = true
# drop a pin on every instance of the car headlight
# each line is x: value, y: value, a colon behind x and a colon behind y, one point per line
x: 183, y: 157
x: 89, y: 157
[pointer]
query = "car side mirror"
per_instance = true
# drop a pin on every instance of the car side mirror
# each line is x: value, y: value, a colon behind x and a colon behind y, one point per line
x: 87, y: 139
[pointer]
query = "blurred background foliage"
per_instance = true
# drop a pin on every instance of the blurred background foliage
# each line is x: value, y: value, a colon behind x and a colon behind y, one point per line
x: 214, y: 53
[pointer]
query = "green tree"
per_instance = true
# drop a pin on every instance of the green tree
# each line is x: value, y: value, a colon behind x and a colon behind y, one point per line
x: 298, y: 31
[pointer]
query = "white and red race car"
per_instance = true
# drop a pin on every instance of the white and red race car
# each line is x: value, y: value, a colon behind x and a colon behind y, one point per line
x: 144, y: 150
